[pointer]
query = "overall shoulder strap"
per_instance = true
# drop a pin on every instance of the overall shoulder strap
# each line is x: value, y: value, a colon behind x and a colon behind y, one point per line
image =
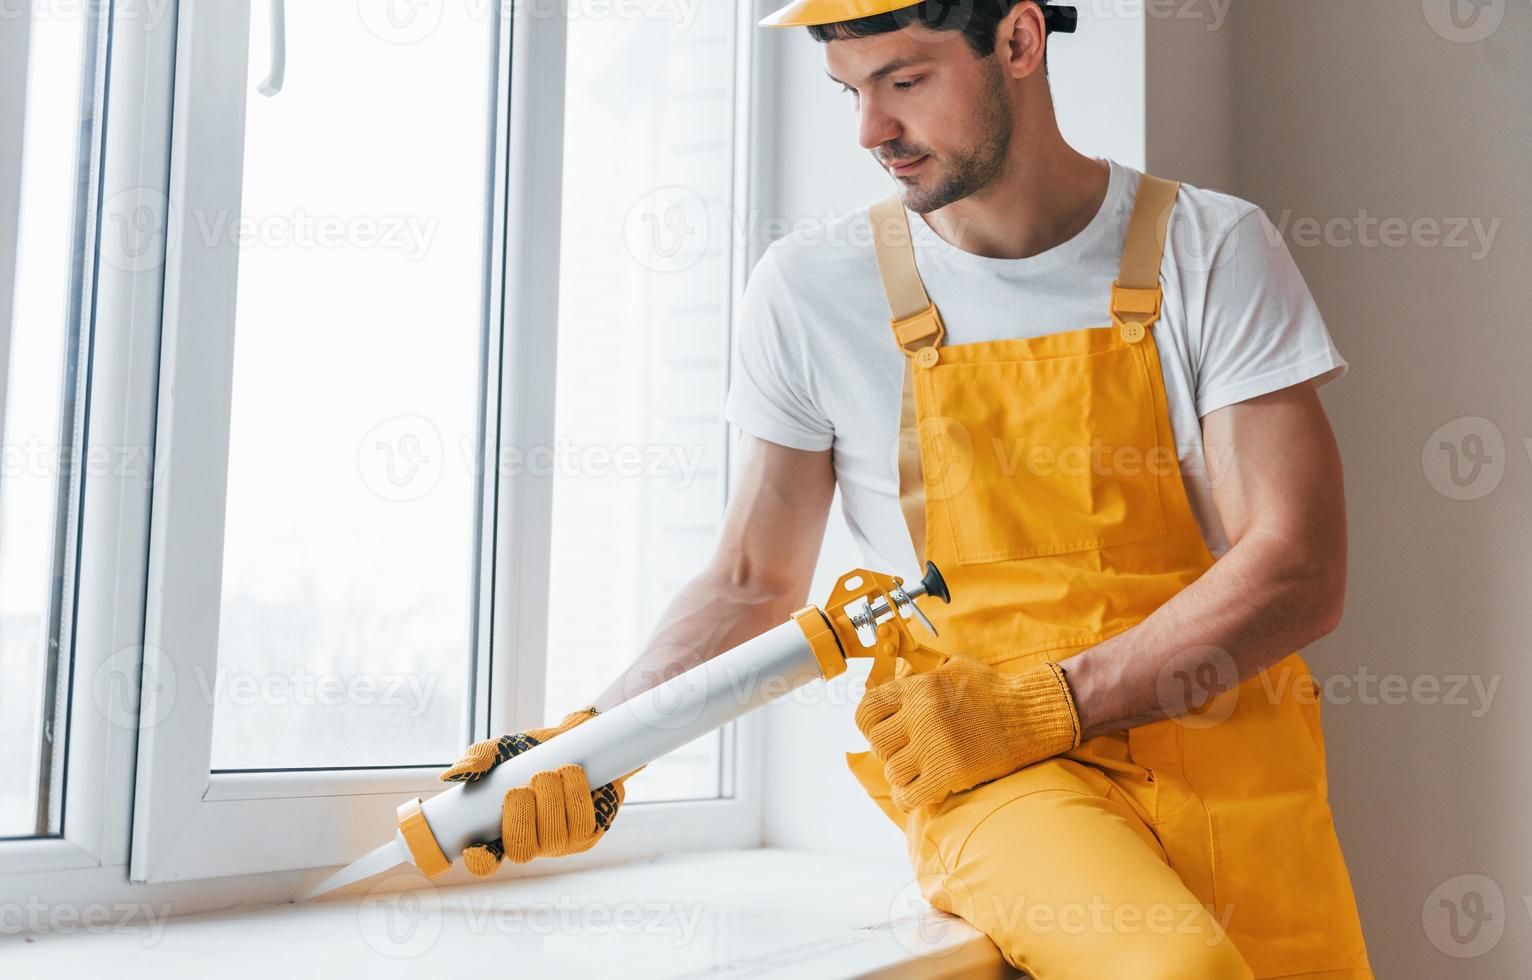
x: 916, y: 325
x: 1136, y: 293
x: 912, y: 315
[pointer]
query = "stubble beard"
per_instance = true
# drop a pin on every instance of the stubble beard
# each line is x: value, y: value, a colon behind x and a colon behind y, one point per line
x: 975, y: 170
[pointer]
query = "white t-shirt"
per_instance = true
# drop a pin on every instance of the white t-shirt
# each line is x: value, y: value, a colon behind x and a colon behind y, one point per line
x: 815, y: 365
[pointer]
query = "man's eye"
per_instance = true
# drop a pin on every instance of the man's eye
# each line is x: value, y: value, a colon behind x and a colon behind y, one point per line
x: 907, y: 84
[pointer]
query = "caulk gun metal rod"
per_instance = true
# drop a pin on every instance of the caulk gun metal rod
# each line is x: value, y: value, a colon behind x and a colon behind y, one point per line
x: 880, y: 607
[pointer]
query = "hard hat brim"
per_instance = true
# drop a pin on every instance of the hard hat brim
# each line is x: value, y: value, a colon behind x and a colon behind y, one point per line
x: 810, y: 13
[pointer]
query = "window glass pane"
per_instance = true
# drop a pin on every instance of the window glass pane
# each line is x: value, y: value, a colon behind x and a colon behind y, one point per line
x: 349, y: 579
x: 47, y: 129
x: 643, y: 340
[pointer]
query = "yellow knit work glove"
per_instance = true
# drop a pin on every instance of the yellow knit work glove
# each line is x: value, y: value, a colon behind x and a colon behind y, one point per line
x: 963, y: 723
x: 555, y: 814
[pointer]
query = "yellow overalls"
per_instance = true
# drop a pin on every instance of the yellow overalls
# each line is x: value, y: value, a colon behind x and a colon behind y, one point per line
x: 1040, y: 475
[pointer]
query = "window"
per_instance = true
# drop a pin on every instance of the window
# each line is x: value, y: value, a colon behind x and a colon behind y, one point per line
x: 318, y: 321
x: 47, y: 152
x: 644, y: 299
x: 347, y: 621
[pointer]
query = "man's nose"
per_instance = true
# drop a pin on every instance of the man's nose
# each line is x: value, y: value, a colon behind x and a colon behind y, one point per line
x: 877, y: 127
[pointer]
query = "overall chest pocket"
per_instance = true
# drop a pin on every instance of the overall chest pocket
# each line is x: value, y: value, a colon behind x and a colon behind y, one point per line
x: 1044, y: 456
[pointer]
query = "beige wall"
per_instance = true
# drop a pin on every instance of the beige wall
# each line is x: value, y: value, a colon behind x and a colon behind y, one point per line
x: 1188, y: 104
x: 1359, y: 106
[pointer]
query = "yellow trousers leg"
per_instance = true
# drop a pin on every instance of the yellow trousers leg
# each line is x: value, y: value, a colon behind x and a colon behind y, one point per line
x: 1058, y: 868
x: 1057, y: 863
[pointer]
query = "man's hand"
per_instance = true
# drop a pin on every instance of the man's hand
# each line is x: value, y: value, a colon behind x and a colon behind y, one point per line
x: 964, y: 723
x: 555, y: 814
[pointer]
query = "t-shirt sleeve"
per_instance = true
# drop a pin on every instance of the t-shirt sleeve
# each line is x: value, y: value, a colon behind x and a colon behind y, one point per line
x: 1261, y: 330
x: 770, y: 385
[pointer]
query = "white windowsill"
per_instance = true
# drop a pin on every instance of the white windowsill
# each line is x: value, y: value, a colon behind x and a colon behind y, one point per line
x: 784, y: 913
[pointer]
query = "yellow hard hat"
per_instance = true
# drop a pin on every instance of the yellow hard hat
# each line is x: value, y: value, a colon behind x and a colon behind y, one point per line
x: 808, y: 13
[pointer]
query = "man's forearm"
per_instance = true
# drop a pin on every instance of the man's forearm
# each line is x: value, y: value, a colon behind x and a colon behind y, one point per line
x: 1253, y: 607
x: 710, y: 614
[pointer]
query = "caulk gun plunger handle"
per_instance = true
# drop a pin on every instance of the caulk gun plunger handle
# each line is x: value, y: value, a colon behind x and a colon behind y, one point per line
x: 932, y: 584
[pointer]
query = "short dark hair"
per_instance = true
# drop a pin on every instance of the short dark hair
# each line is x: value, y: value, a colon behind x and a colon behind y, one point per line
x: 977, y: 19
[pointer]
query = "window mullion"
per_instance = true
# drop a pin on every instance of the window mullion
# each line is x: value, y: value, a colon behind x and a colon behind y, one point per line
x: 529, y: 319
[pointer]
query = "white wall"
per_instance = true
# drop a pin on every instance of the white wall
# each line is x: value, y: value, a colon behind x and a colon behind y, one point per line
x: 1097, y: 77
x: 818, y: 172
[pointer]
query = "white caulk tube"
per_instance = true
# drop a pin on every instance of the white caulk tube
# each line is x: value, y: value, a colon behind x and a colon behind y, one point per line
x: 638, y: 731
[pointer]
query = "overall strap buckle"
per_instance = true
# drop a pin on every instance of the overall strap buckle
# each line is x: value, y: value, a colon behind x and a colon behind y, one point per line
x: 1136, y: 305
x: 913, y: 316
x: 924, y: 329
x: 1134, y: 311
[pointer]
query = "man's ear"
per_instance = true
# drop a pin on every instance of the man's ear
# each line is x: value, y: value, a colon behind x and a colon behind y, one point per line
x: 1021, y: 40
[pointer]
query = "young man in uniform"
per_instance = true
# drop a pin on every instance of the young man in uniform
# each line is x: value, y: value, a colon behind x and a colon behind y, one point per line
x: 1088, y: 396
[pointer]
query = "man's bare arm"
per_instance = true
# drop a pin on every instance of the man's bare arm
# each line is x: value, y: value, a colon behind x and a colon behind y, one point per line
x: 757, y: 577
x: 1277, y: 482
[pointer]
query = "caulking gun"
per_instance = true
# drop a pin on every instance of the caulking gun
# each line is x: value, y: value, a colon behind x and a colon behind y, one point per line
x: 863, y: 617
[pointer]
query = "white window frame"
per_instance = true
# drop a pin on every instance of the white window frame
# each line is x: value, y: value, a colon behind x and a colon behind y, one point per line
x: 105, y: 609
x: 142, y: 797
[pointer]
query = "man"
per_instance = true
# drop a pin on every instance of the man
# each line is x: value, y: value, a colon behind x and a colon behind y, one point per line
x: 1089, y: 397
